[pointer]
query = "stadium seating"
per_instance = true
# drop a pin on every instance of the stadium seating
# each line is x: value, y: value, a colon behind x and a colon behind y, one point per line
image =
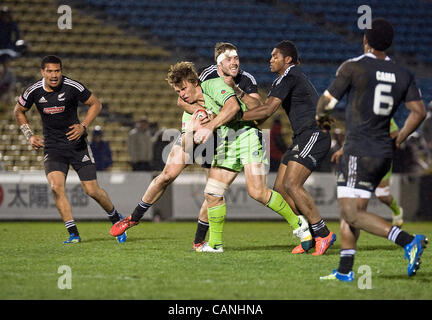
x: 124, y: 72
x: 128, y: 72
x: 255, y: 26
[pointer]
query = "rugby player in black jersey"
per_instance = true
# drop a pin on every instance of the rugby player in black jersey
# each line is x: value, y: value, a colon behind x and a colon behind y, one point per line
x: 64, y: 138
x: 310, y: 144
x: 376, y: 86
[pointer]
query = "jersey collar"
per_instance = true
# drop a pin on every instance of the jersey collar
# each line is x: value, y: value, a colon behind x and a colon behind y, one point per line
x: 279, y: 79
x: 371, y: 55
x: 56, y: 88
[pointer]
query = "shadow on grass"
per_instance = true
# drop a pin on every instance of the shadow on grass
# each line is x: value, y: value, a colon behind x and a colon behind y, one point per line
x: 421, y: 276
x: 333, y: 250
x: 387, y: 247
x: 259, y: 248
x: 129, y: 239
x: 283, y: 248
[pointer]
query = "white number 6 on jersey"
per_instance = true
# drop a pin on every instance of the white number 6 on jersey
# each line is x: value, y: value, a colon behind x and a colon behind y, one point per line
x: 380, y: 99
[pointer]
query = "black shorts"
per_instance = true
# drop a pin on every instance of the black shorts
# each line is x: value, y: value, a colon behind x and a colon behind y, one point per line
x: 81, y: 159
x: 308, y: 148
x: 359, y: 176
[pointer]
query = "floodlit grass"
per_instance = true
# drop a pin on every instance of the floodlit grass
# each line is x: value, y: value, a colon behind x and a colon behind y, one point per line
x: 157, y: 264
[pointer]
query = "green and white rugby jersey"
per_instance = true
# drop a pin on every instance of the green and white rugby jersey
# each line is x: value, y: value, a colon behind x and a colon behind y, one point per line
x: 216, y: 92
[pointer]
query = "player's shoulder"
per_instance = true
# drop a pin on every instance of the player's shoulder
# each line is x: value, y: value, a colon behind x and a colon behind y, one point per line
x: 33, y: 87
x: 285, y: 77
x: 208, y: 72
x: 350, y: 63
x: 215, y: 84
x: 246, y: 76
x: 400, y: 69
x: 213, y: 81
x: 217, y: 89
x: 68, y: 82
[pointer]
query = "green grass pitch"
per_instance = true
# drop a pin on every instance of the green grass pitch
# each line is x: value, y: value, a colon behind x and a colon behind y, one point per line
x: 157, y: 264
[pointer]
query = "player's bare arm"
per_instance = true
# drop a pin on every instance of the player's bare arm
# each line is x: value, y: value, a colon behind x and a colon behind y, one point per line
x: 252, y: 100
x: 78, y: 129
x: 190, y: 108
x: 35, y: 141
x: 394, y: 134
x: 226, y: 114
x: 337, y: 155
x: 325, y: 105
x: 415, y: 118
x: 264, y: 111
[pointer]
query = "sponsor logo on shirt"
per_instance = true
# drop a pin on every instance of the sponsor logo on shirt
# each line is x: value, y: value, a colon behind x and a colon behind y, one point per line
x: 42, y: 100
x: 53, y: 110
x: 223, y: 91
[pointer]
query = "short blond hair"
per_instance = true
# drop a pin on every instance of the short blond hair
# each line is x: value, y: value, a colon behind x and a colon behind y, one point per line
x: 221, y: 47
x: 182, y: 71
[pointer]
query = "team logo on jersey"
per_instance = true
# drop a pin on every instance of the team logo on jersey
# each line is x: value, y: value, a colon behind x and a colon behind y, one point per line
x: 223, y: 91
x: 42, y: 100
x: 53, y: 110
x: 61, y: 96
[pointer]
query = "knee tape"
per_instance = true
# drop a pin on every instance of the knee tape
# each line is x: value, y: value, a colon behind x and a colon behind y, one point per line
x: 215, y: 188
x: 382, y: 192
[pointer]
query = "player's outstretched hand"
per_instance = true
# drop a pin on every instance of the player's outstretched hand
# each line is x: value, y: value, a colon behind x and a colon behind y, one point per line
x: 36, y: 142
x: 77, y: 130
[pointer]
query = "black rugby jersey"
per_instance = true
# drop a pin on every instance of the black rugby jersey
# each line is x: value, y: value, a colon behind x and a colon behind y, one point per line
x: 375, y: 89
x: 244, y: 80
x: 58, y: 110
x: 299, y: 98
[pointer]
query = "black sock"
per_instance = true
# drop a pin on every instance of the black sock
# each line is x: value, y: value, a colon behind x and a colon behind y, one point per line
x: 113, y: 216
x: 399, y: 236
x: 71, y: 227
x: 139, y: 211
x: 201, y: 231
x: 346, y: 261
x: 320, y: 229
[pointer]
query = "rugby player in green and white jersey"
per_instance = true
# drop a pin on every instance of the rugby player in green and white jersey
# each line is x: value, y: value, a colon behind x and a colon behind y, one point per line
x: 227, y: 66
x: 244, y: 150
